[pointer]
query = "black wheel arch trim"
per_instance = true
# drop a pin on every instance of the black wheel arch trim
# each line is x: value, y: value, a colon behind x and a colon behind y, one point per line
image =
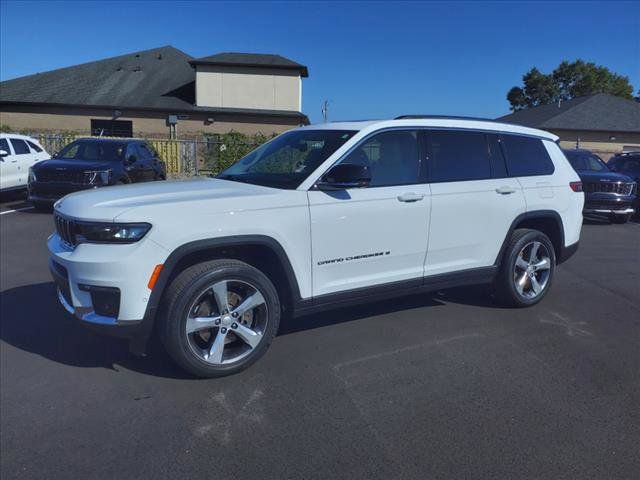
x: 181, y: 252
x: 534, y: 215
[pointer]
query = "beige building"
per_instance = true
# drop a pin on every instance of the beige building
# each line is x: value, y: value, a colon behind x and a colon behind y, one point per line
x: 157, y: 93
x: 602, y: 123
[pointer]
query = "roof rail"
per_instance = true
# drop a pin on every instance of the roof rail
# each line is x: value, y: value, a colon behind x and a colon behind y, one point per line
x: 442, y: 117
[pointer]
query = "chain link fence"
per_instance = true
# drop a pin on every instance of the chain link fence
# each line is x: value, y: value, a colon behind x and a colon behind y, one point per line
x: 183, y: 158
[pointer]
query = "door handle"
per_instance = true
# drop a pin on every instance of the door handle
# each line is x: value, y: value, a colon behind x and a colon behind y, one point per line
x: 505, y: 190
x: 411, y: 197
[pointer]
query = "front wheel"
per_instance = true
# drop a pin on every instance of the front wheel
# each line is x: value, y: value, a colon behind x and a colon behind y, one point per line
x: 527, y: 268
x: 219, y: 317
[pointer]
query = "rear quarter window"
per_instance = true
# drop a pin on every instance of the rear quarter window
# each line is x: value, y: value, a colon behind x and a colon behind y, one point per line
x: 526, y: 156
x: 34, y: 147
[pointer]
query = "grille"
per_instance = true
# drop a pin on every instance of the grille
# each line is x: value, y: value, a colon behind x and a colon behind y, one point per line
x: 609, y: 187
x: 66, y: 229
x: 62, y: 176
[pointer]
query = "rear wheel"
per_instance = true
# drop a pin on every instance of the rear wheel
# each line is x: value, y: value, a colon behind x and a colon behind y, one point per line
x: 527, y: 268
x: 219, y: 317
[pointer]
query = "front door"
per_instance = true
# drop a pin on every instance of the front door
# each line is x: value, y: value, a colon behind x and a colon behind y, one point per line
x: 376, y: 235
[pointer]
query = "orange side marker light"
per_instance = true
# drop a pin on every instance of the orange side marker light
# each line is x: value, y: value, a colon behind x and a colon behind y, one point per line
x: 154, y: 276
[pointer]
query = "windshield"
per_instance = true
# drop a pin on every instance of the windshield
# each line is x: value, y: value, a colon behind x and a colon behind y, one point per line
x: 586, y: 162
x: 287, y: 160
x: 83, y: 150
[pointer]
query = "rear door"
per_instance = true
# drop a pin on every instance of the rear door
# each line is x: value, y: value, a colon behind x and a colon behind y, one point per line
x: 473, y: 200
x: 364, y: 237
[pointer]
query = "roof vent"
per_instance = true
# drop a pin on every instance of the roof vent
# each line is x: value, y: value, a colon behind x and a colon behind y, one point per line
x: 159, y: 57
x: 137, y: 55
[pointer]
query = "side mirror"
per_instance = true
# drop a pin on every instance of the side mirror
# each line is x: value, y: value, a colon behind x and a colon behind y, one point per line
x: 345, y: 176
x: 3, y: 153
x: 131, y: 159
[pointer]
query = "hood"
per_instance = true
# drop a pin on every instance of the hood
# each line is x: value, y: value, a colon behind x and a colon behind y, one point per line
x: 73, y: 164
x: 156, y: 200
x: 589, y: 176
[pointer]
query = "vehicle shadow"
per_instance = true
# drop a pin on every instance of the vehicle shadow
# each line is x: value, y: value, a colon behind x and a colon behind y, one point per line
x: 479, y: 296
x: 32, y: 320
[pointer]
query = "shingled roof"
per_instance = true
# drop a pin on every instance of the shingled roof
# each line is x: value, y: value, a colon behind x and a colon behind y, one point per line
x: 157, y: 79
x: 599, y: 112
x: 251, y: 60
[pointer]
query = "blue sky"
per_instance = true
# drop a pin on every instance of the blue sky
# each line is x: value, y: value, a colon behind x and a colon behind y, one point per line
x: 369, y: 59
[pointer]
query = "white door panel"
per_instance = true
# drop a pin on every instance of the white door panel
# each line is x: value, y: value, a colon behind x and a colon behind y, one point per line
x: 8, y: 168
x: 469, y: 222
x: 368, y: 236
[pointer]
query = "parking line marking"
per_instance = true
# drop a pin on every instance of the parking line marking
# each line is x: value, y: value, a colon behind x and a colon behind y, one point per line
x: 16, y: 210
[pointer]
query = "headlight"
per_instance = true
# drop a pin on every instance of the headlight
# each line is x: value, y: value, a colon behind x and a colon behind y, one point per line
x: 98, y: 178
x: 32, y: 175
x: 110, y: 232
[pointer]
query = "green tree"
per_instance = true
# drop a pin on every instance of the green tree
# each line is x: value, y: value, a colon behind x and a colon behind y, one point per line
x: 567, y: 81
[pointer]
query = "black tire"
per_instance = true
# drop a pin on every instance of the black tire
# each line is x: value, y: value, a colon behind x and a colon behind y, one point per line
x: 619, y: 219
x: 505, y: 285
x: 187, y: 288
x: 42, y: 206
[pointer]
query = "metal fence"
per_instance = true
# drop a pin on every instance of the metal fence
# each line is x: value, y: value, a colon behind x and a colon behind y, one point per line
x: 186, y: 157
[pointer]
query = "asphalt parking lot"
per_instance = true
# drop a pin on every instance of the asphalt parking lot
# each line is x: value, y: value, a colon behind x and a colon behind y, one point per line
x: 441, y: 386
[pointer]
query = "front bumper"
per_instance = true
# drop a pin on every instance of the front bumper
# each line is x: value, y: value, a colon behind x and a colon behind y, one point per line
x: 87, y: 269
x: 600, y: 203
x: 49, y: 192
x: 609, y: 211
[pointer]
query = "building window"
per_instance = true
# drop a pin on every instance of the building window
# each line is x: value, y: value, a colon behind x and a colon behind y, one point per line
x: 112, y: 128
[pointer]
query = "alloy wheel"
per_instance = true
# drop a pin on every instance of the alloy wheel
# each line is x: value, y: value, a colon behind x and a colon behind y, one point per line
x: 532, y: 270
x: 226, y: 322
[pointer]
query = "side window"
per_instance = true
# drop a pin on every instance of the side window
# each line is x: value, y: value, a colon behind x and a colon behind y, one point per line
x: 526, y: 156
x: 19, y: 146
x: 34, y: 147
x: 392, y: 158
x: 4, y: 145
x: 457, y: 156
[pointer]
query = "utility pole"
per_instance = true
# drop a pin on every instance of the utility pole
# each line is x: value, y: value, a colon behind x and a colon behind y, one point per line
x: 325, y: 110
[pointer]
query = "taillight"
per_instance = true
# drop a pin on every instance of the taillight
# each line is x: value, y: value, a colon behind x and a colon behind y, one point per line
x: 576, y: 186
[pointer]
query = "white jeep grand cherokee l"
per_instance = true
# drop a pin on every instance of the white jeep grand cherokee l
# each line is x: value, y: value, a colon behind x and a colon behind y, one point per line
x: 318, y: 217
